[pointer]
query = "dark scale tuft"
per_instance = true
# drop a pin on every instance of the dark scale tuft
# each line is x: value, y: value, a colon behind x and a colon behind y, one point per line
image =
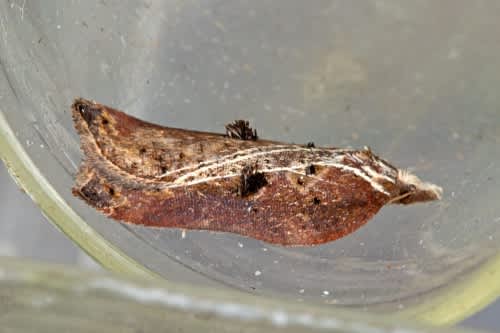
x: 240, y: 129
x: 251, y: 181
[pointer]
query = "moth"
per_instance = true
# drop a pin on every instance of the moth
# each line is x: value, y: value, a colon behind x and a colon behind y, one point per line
x: 287, y: 194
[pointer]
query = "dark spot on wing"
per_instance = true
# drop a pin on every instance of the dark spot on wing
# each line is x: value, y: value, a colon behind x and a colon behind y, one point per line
x: 310, y: 170
x: 251, y: 181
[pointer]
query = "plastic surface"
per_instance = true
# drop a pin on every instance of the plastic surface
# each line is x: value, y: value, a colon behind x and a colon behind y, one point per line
x: 41, y: 298
x: 414, y: 81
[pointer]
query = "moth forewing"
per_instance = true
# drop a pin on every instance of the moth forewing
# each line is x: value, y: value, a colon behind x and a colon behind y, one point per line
x: 297, y: 195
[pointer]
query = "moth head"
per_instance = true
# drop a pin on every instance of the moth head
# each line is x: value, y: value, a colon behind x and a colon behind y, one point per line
x: 86, y: 109
x: 410, y: 189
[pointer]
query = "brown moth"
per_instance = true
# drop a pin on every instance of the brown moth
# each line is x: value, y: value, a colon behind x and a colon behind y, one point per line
x: 287, y: 194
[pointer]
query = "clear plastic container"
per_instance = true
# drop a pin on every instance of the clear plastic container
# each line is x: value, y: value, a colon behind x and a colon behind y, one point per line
x: 415, y: 81
x: 42, y: 298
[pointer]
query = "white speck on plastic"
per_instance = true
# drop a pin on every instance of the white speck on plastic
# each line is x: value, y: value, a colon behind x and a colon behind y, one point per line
x: 183, y: 233
x: 41, y: 301
x: 258, y: 273
x: 453, y: 54
x: 326, y: 292
x: 280, y: 318
x: 58, y: 27
x: 420, y: 242
x: 301, y: 291
x: 123, y: 41
x: 264, y: 249
x: 240, y: 244
x: 490, y: 237
x: 418, y: 76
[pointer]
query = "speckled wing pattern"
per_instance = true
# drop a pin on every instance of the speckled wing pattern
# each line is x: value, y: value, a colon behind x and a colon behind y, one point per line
x: 141, y: 173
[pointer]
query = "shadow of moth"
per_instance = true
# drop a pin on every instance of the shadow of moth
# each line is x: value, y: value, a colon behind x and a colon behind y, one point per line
x: 287, y: 194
